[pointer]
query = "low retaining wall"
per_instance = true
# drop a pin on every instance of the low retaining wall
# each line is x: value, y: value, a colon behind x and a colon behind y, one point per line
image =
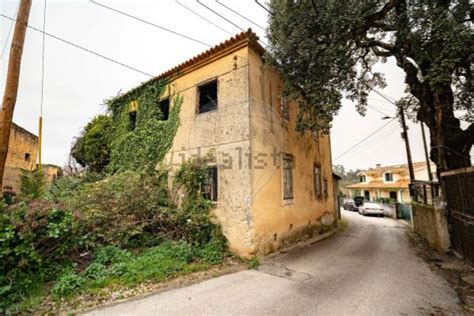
x: 431, y: 224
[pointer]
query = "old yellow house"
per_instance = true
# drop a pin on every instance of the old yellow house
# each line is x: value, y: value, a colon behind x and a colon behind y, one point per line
x: 270, y: 184
x: 389, y: 182
x: 22, y: 154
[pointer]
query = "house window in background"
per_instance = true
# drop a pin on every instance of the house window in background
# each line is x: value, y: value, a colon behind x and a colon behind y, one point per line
x: 317, y: 181
x: 363, y: 178
x: 207, y: 97
x: 209, y: 185
x: 287, y: 176
x: 388, y: 177
x: 165, y: 108
x: 393, y: 195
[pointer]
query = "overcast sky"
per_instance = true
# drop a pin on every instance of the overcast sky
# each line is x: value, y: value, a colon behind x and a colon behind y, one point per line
x: 77, y: 82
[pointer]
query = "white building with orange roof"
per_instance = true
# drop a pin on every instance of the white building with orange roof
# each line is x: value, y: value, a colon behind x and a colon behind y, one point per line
x: 389, y: 182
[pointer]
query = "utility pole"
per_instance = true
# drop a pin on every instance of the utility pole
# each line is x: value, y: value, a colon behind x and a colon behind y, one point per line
x: 12, y: 80
x: 427, y: 158
x: 407, y: 145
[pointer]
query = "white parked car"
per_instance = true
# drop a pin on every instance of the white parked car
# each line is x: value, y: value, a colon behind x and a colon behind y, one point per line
x: 369, y: 208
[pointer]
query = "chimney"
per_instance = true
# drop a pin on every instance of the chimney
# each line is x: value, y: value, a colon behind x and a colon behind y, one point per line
x: 378, y: 165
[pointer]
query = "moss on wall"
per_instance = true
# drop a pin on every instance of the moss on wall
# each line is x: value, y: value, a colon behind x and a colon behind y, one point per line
x: 141, y: 144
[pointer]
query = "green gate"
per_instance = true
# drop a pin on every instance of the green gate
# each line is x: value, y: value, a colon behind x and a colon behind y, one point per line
x: 404, y: 211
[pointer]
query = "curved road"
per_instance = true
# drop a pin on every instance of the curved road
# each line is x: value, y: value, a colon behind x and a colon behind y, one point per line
x: 369, y: 269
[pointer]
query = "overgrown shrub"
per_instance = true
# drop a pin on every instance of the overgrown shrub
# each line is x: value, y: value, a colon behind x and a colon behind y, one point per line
x: 126, y: 209
x: 92, y: 148
x: 67, y: 284
x: 36, y: 238
x: 121, y: 228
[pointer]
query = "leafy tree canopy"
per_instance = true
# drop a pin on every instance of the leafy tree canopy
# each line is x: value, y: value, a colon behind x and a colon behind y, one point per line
x: 326, y: 49
x: 92, y: 148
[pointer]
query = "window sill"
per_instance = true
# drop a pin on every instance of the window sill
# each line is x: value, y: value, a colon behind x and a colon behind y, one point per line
x: 288, y: 202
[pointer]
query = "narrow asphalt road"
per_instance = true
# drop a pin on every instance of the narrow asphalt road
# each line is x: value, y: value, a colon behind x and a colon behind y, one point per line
x: 369, y: 269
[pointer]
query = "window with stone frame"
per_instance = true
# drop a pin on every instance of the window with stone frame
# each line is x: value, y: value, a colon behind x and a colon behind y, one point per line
x: 318, y: 192
x: 285, y: 110
x: 287, y: 169
x: 209, y: 184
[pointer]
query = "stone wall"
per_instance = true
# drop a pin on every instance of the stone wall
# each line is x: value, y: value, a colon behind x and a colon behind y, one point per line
x: 22, y: 154
x: 431, y: 224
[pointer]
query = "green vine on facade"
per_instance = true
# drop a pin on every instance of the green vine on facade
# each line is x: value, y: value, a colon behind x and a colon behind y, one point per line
x: 142, y: 143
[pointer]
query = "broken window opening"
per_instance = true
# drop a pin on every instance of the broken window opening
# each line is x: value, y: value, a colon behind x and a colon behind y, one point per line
x: 288, y: 163
x: 209, y: 185
x: 165, y: 108
x: 208, y: 97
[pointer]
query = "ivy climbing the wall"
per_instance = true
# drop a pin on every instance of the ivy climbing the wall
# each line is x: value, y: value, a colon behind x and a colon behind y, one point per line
x: 142, y: 136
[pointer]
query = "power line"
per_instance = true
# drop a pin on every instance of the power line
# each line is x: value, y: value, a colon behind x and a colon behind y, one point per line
x: 150, y: 23
x: 364, y: 139
x: 375, y: 141
x: 373, y: 108
x: 9, y: 32
x: 242, y: 16
x: 80, y: 47
x: 222, y: 17
x: 208, y: 21
x: 264, y: 7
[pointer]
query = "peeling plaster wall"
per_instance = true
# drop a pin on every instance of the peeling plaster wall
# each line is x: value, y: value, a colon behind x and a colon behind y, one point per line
x: 276, y: 220
x: 243, y: 135
x: 224, y: 134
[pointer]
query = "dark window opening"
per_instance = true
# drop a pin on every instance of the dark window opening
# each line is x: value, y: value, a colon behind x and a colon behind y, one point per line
x: 367, y: 195
x: 27, y: 157
x: 288, y: 177
x: 388, y: 177
x: 132, y: 117
x: 165, y: 108
x: 209, y: 184
x: 363, y: 179
x: 393, y: 195
x: 208, y: 97
x: 317, y: 182
x: 325, y: 188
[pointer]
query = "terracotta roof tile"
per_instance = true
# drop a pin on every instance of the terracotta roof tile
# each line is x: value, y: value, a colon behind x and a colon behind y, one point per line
x: 249, y: 36
x: 378, y: 184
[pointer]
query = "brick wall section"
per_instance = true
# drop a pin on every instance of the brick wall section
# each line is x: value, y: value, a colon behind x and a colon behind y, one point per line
x: 22, y: 153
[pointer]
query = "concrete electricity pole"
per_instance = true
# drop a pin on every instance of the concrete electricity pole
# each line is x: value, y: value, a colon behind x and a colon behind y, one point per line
x: 407, y: 144
x: 12, y: 80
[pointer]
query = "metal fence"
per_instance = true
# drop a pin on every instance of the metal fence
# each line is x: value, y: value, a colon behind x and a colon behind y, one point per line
x: 425, y: 192
x: 458, y: 187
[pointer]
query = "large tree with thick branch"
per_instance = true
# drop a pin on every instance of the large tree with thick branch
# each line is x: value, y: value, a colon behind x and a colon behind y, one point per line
x: 326, y: 49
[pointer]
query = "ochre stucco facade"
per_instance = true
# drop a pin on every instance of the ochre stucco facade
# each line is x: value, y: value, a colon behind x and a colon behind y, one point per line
x: 22, y: 154
x: 246, y: 136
